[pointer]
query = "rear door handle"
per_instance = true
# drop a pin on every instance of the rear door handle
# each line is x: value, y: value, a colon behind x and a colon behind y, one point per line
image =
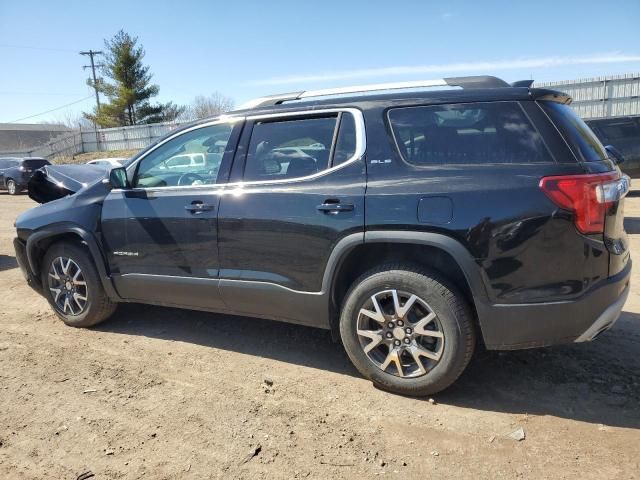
x: 333, y: 208
x: 199, y: 207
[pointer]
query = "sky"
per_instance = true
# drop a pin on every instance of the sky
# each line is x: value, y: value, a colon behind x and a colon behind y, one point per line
x: 245, y: 49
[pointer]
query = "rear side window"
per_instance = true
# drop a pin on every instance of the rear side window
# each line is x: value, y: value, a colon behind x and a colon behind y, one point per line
x: 9, y: 163
x: 289, y: 149
x: 474, y: 133
x: 346, y: 142
x: 584, y: 143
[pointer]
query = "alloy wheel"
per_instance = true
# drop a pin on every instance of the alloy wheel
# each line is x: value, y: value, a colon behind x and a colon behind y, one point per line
x: 68, y: 286
x: 11, y: 187
x: 400, y: 333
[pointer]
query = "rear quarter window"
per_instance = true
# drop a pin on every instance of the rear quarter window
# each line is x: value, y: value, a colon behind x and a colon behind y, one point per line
x: 581, y: 139
x: 474, y: 133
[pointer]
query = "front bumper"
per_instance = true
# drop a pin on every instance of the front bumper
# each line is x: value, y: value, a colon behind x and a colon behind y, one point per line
x: 23, y: 263
x: 512, y: 327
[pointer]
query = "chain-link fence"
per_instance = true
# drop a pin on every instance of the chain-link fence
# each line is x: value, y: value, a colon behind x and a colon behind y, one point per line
x: 105, y: 139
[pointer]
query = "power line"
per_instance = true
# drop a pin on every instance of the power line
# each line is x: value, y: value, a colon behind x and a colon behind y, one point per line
x: 26, y: 47
x: 52, y: 110
x: 39, y: 93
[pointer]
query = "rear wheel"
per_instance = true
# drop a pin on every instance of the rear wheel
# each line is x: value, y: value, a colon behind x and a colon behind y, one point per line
x: 12, y: 188
x: 407, y: 330
x: 72, y: 286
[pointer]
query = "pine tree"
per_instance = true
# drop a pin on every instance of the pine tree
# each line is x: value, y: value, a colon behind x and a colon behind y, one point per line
x: 128, y: 87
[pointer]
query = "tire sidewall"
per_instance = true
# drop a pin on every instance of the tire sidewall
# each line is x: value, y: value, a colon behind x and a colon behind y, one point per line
x: 453, y: 357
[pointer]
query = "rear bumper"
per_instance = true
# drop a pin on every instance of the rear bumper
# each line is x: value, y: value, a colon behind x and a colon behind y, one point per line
x: 23, y: 263
x: 512, y: 327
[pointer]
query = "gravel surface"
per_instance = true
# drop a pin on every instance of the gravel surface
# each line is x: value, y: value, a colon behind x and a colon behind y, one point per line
x: 168, y: 394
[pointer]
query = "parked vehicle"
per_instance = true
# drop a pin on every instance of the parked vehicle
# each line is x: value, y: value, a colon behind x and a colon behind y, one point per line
x: 624, y: 134
x: 412, y: 224
x: 113, y: 162
x: 16, y: 172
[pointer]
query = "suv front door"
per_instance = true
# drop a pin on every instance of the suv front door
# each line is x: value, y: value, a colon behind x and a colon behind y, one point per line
x: 297, y: 189
x: 161, y: 234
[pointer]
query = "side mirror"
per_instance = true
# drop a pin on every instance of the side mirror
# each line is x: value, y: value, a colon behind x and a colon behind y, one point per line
x: 615, y: 154
x: 118, y: 178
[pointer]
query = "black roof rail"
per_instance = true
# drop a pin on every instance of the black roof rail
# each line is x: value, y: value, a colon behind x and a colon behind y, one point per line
x: 480, y: 81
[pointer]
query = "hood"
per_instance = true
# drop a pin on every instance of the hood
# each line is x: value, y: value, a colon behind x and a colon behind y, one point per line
x: 56, y: 181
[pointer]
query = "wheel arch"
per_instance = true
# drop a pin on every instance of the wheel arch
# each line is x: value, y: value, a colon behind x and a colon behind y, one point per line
x: 428, y: 249
x: 39, y: 241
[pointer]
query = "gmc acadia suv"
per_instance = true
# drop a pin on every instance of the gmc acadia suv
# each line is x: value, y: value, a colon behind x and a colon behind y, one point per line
x: 411, y: 221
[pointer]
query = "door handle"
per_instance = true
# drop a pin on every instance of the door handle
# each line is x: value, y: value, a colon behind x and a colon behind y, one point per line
x: 199, y: 207
x: 333, y: 208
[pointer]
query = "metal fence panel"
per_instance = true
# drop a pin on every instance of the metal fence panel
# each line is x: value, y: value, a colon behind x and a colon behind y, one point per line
x: 125, y: 138
x: 602, y: 97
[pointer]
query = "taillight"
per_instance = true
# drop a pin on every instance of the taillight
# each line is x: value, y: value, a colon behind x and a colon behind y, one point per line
x: 587, y: 196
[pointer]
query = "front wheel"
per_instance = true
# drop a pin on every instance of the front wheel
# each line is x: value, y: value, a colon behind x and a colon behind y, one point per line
x: 407, y: 330
x: 12, y: 188
x: 72, y: 286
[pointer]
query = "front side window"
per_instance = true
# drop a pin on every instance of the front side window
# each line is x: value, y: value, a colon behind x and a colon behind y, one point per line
x: 475, y: 133
x: 192, y: 158
x: 289, y: 149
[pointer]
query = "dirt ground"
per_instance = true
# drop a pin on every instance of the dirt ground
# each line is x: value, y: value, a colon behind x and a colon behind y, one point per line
x: 168, y: 394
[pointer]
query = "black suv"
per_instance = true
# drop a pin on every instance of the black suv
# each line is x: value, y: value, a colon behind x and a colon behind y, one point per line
x: 624, y: 134
x: 15, y: 173
x: 412, y: 223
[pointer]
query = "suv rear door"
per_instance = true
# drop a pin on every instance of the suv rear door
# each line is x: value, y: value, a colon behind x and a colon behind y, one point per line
x: 297, y: 188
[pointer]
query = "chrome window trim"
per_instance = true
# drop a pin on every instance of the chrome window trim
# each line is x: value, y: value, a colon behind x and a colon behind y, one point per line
x: 361, y: 145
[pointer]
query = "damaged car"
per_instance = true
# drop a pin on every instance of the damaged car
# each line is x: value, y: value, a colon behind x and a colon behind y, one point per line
x: 413, y: 223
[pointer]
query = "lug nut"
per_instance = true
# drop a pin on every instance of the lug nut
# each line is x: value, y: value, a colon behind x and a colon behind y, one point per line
x: 408, y: 330
x: 396, y: 343
x: 390, y: 325
x: 407, y: 341
x: 389, y: 335
x: 400, y: 323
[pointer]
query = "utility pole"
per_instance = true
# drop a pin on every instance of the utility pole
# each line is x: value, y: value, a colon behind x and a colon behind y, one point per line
x: 91, y: 54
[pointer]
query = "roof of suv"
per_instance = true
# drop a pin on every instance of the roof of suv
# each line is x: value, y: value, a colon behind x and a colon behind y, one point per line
x: 474, y: 89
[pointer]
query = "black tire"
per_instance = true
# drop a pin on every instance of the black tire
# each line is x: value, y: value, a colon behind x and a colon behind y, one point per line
x: 453, y: 317
x: 97, y: 306
x: 12, y: 187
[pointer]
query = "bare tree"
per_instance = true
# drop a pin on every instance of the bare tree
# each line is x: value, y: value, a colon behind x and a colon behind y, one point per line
x: 203, y: 106
x: 70, y: 119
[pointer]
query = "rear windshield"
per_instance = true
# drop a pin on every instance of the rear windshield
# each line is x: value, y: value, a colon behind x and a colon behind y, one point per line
x: 37, y: 163
x: 581, y: 139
